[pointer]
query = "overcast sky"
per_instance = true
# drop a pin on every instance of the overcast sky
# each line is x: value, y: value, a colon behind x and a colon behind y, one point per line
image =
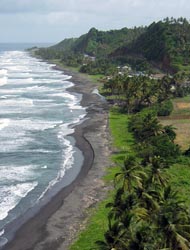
x: 54, y: 20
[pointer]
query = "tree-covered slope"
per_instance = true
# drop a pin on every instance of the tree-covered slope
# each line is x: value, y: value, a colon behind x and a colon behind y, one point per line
x: 100, y: 43
x: 65, y: 45
x: 166, y: 43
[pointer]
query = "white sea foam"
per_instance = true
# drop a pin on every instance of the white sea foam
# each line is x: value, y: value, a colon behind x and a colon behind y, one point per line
x: 15, y: 133
x: 4, y: 123
x: 3, y: 241
x: 33, y: 80
x: 2, y: 232
x: 14, y: 173
x: 3, y: 72
x: 81, y: 116
x: 8, y: 96
x: 74, y: 106
x: 3, y: 81
x: 13, y: 144
x: 12, y: 137
x: 46, y: 101
x: 64, y: 95
x: 75, y: 122
x: 21, y: 80
x: 20, y: 74
x: 17, y: 68
x: 11, y: 91
x: 15, y: 103
x: 43, y: 151
x: 33, y: 125
x: 65, y: 129
x: 68, y: 157
x: 11, y: 195
x: 37, y: 88
x: 47, y: 80
x: 22, y: 90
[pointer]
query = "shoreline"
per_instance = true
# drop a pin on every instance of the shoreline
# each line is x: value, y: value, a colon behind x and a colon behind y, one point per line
x: 56, y: 224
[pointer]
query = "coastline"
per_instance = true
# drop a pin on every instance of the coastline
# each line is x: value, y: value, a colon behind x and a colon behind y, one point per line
x: 56, y: 225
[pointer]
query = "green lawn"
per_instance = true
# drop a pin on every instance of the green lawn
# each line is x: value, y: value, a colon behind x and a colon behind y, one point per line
x: 179, y: 176
x: 94, y: 230
x: 95, y: 78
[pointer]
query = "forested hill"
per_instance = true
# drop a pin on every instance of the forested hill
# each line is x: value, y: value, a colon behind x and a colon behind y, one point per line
x: 65, y: 45
x: 166, y: 43
x: 100, y: 43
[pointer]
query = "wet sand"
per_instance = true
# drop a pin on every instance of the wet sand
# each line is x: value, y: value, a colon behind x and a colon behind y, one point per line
x: 57, y: 224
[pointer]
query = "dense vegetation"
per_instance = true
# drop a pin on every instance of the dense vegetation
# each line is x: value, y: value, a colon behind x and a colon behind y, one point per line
x: 133, y: 93
x: 146, y: 212
x: 164, y: 45
x: 100, y: 43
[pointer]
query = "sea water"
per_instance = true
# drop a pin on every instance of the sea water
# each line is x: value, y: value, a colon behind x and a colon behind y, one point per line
x: 37, y: 113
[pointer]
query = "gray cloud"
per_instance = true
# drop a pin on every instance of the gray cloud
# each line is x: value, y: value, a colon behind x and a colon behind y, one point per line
x: 53, y: 20
x: 14, y: 6
x: 11, y: 6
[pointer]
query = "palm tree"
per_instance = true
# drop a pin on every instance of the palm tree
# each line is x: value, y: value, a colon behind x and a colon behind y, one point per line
x: 148, y: 199
x: 145, y: 125
x: 169, y: 130
x: 156, y: 176
x: 131, y: 174
x: 115, y: 237
x: 165, y: 88
x: 173, y: 221
x: 122, y: 202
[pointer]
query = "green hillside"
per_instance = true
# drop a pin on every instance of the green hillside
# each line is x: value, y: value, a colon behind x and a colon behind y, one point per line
x: 166, y: 43
x: 65, y: 45
x: 100, y: 43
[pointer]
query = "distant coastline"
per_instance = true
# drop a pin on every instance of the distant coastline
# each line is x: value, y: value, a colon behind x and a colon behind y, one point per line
x: 21, y: 46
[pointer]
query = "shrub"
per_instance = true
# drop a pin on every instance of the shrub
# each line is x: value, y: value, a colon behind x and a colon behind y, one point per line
x: 165, y: 108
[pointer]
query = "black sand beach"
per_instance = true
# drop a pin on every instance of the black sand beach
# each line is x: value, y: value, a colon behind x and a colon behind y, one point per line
x: 57, y: 224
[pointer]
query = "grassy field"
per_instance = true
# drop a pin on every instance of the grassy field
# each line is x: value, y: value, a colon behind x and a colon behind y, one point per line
x: 94, y: 230
x: 179, y: 176
x: 97, y: 223
x: 180, y: 119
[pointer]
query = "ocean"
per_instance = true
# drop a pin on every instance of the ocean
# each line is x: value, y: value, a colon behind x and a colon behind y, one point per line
x: 37, y: 114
